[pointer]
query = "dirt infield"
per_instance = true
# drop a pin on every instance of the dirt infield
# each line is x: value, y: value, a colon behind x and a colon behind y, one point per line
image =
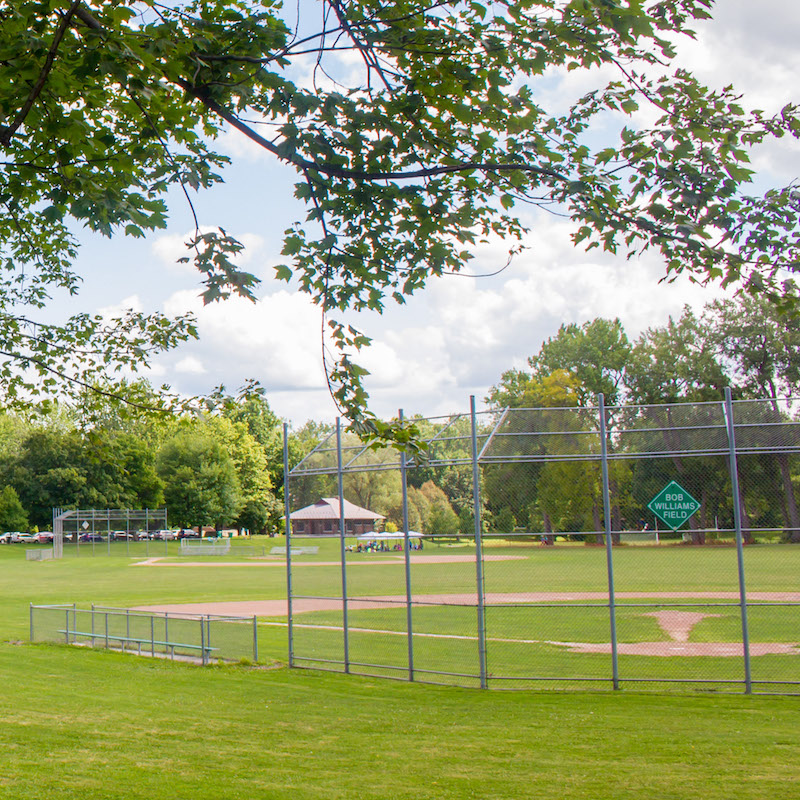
x: 278, y: 608
x: 280, y: 561
x: 676, y: 624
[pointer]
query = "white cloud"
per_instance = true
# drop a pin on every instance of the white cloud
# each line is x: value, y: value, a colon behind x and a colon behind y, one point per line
x: 234, y: 143
x: 274, y: 340
x: 752, y: 45
x: 474, y: 329
x: 170, y: 247
x: 130, y: 303
x: 338, y: 71
x: 191, y: 365
x: 451, y: 341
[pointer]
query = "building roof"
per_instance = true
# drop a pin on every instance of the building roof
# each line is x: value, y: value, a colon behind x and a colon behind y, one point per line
x: 328, y: 508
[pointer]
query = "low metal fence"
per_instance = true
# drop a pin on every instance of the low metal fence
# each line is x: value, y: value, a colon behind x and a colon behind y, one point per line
x: 192, y: 547
x: 205, y: 638
x: 44, y: 554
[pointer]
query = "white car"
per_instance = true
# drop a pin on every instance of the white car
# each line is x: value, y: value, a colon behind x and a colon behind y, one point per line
x: 166, y: 535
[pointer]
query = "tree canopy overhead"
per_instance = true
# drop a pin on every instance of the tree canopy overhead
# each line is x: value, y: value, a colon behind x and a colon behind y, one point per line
x: 431, y: 147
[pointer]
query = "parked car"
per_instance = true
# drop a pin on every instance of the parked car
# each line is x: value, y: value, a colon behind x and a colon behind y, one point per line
x: 91, y: 537
x: 165, y: 535
x: 10, y: 537
x: 28, y: 538
x: 45, y: 537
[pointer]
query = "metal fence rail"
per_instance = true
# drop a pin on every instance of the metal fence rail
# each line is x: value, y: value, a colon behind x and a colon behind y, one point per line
x: 599, y: 546
x: 205, y: 638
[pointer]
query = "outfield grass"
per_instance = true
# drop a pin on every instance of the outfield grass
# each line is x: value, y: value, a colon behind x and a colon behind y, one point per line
x: 85, y: 724
x: 81, y: 723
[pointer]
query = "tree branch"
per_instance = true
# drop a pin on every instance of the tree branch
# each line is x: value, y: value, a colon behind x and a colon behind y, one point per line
x: 7, y: 133
x: 40, y: 364
x: 84, y: 16
x: 352, y: 174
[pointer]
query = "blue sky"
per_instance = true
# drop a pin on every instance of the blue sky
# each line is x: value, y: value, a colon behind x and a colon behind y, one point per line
x: 458, y: 336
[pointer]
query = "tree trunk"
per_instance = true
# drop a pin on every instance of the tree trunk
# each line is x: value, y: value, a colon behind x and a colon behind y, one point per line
x: 616, y: 517
x: 698, y: 532
x: 597, y: 522
x: 792, y: 518
x: 747, y: 525
x: 548, y: 528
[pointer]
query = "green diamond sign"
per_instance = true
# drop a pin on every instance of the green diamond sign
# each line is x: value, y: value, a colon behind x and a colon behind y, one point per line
x: 673, y: 505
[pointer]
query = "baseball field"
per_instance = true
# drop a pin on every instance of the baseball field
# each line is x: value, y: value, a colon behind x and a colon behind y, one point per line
x: 80, y: 722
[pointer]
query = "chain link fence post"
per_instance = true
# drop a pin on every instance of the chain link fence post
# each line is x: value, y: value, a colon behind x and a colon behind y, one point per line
x: 407, y: 556
x: 287, y: 530
x: 255, y: 638
x: 476, y: 497
x: 737, y: 523
x: 612, y: 610
x: 340, y: 478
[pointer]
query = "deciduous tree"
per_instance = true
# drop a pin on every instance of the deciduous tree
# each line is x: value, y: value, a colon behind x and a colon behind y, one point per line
x: 762, y: 347
x: 676, y: 362
x: 404, y: 165
x: 201, y: 485
x: 12, y: 514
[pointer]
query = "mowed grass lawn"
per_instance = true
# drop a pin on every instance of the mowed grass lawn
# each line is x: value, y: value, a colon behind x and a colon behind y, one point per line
x: 78, y: 723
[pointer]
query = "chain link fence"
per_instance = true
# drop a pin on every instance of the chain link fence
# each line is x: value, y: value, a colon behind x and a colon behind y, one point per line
x: 130, y: 533
x: 111, y: 531
x: 204, y: 639
x: 567, y: 547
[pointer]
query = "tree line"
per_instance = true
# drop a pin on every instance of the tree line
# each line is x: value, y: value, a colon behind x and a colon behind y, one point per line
x: 656, y: 384
x: 224, y: 466
x: 745, y: 344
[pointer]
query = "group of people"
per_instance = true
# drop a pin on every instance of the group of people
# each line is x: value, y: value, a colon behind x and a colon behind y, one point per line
x: 382, y: 546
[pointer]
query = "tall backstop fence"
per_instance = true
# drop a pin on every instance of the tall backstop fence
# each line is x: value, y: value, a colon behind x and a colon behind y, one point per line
x: 132, y: 533
x: 201, y: 638
x: 593, y: 546
x: 109, y: 531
